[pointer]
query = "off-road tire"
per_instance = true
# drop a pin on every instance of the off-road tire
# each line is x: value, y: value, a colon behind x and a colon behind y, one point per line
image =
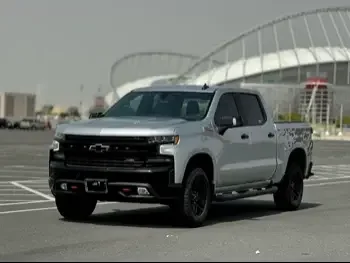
x: 196, y: 186
x: 75, y: 208
x: 290, y: 191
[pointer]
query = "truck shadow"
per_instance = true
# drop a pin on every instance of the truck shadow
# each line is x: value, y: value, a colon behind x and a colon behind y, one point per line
x: 163, y: 217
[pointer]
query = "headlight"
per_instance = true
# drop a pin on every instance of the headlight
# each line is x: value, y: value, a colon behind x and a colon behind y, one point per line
x: 59, y: 135
x: 173, y: 139
x: 55, y: 146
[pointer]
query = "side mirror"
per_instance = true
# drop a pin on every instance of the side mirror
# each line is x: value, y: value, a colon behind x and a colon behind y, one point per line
x: 229, y: 122
x: 96, y: 115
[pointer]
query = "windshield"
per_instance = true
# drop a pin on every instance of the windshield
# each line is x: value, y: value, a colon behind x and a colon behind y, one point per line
x: 185, y: 105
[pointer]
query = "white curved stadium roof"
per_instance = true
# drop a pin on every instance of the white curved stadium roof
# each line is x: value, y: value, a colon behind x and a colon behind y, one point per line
x: 140, y: 83
x: 271, y: 62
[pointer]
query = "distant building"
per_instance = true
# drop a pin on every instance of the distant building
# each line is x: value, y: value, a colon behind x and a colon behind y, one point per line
x: 99, y: 101
x: 16, y: 105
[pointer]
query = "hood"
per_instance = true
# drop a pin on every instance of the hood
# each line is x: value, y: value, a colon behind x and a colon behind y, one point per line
x: 131, y: 126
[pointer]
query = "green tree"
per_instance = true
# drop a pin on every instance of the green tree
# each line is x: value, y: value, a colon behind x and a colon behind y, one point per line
x: 73, y: 111
x: 293, y: 117
x: 47, y: 109
x: 95, y: 109
x: 346, y: 120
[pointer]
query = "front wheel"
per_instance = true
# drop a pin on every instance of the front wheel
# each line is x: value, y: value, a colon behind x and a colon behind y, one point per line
x: 75, y: 208
x: 291, y: 189
x: 196, y: 198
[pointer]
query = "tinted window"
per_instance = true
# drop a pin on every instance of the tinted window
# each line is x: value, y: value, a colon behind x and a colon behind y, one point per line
x: 226, y: 107
x: 251, y: 109
x: 185, y: 105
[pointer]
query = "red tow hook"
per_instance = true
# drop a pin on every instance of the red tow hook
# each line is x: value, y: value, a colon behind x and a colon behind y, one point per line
x: 126, y: 190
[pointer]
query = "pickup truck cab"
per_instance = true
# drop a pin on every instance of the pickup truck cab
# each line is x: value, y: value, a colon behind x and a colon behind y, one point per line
x: 182, y: 146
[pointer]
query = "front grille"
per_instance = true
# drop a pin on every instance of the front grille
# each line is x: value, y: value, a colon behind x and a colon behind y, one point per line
x: 75, y: 161
x: 106, y: 139
x: 131, y: 152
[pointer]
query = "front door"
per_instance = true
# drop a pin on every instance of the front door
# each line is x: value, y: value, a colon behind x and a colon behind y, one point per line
x: 233, y: 162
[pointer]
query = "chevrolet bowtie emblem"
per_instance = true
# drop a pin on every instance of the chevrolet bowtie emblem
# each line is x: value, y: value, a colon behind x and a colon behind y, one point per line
x: 99, y: 148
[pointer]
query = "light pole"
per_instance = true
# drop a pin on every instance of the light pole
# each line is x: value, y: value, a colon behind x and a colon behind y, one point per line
x: 81, y: 99
x: 111, y: 83
x: 38, y: 97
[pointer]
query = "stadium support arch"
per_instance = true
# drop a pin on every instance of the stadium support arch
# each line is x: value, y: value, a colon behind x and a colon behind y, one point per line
x: 146, y: 64
x: 332, y: 24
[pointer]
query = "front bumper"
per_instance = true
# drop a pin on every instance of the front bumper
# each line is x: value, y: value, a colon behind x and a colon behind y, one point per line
x: 119, y: 184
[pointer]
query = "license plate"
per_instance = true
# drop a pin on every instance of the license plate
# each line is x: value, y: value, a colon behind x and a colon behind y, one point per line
x: 98, y: 186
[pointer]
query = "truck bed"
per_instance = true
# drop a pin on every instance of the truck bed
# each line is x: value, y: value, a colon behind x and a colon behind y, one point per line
x: 295, y: 134
x: 293, y: 126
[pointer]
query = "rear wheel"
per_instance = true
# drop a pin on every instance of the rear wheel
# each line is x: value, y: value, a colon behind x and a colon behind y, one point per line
x: 75, y: 208
x: 196, y: 199
x: 290, y: 191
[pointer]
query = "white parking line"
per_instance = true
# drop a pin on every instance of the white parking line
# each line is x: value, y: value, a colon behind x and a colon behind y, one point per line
x: 27, y: 210
x: 333, y: 166
x: 35, y: 181
x: 15, y: 200
x: 46, y: 189
x: 33, y: 191
x: 16, y: 190
x: 20, y: 177
x: 23, y: 171
x: 331, y: 171
x: 327, y: 183
x: 42, y: 209
x: 26, y: 202
x: 329, y: 178
x: 18, y: 194
x: 26, y: 167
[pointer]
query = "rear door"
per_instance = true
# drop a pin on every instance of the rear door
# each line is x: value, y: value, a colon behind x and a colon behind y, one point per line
x: 262, y: 134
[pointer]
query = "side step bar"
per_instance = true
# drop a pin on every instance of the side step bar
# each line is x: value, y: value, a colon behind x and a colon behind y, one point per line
x: 250, y: 193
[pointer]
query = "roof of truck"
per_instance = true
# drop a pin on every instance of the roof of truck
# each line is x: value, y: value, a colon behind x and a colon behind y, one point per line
x: 191, y: 88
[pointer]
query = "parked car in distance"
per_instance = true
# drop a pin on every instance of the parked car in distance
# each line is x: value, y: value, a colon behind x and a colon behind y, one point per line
x: 32, y: 124
x: 4, y: 123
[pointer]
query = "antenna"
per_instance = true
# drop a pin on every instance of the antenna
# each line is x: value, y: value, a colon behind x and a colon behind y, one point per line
x: 205, y: 86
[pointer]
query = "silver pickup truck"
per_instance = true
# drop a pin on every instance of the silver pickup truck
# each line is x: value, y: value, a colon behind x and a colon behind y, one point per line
x: 182, y: 146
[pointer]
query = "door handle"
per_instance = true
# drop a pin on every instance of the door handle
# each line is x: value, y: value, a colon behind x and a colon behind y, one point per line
x: 244, y: 136
x: 271, y: 135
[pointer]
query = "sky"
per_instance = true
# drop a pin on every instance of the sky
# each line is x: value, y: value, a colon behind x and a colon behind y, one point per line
x: 54, y: 46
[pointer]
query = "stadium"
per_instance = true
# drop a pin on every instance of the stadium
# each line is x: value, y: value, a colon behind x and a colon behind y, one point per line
x: 299, y: 62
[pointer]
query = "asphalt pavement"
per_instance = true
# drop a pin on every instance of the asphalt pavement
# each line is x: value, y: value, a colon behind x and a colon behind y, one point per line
x: 247, y: 230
